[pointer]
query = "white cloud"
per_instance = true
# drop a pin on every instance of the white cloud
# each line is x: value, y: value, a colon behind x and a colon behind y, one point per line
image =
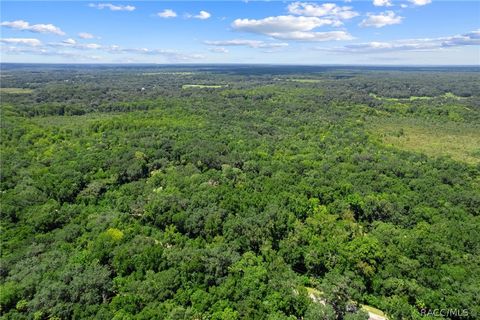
x: 403, y: 5
x: 31, y: 42
x: 203, y: 15
x: 39, y: 51
x: 420, y: 2
x: 219, y: 50
x: 112, y: 7
x: 85, y: 35
x: 314, y: 36
x: 426, y: 44
x: 169, y: 55
x: 38, y: 28
x: 167, y: 13
x: 279, y: 24
x: 291, y: 28
x: 381, y: 20
x: 247, y: 43
x: 92, y: 46
x: 22, y: 50
x: 328, y: 10
x: 382, y: 3
x: 467, y: 39
x: 78, y: 50
x: 299, y: 25
x: 69, y: 41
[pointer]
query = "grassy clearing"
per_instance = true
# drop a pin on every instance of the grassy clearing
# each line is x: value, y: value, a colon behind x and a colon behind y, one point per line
x: 167, y: 73
x: 459, y: 140
x: 301, y: 80
x: 373, y: 310
x: 305, y: 80
x: 412, y: 98
x: 15, y: 90
x: 316, y: 296
x: 201, y: 86
x: 447, y: 95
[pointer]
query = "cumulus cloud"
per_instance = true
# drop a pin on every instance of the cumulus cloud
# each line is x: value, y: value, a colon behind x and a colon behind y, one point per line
x: 112, y: 7
x: 247, y: 43
x: 299, y: 25
x: 31, y: 42
x: 38, y: 28
x: 291, y: 28
x: 93, y: 46
x: 85, y: 35
x: 69, y: 41
x: 167, y: 13
x: 424, y: 44
x: 219, y: 50
x: 315, y: 36
x: 328, y: 10
x: 467, y: 39
x: 382, y: 3
x: 279, y: 24
x: 203, y: 15
x: 420, y: 2
x: 381, y: 20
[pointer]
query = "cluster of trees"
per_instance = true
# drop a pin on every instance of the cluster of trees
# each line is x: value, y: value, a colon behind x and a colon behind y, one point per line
x: 231, y: 203
x: 64, y: 90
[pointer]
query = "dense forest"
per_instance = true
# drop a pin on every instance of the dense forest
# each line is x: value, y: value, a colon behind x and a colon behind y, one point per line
x: 239, y: 192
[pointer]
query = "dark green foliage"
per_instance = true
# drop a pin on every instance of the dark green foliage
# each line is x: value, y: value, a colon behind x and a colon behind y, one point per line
x: 233, y: 202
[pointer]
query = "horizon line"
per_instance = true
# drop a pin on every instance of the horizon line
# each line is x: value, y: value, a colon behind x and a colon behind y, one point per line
x: 238, y: 64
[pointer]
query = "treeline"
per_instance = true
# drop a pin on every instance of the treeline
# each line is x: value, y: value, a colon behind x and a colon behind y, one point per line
x: 74, y: 91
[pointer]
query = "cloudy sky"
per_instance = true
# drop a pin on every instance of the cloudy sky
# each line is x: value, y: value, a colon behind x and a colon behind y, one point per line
x: 395, y: 32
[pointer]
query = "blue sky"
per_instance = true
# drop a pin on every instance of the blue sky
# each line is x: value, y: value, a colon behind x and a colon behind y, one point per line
x: 396, y: 32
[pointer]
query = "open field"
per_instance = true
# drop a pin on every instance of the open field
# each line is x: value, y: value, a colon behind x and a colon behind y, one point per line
x: 15, y: 91
x: 202, y: 86
x: 374, y: 313
x: 448, y: 95
x: 168, y: 73
x: 299, y: 80
x: 461, y: 141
